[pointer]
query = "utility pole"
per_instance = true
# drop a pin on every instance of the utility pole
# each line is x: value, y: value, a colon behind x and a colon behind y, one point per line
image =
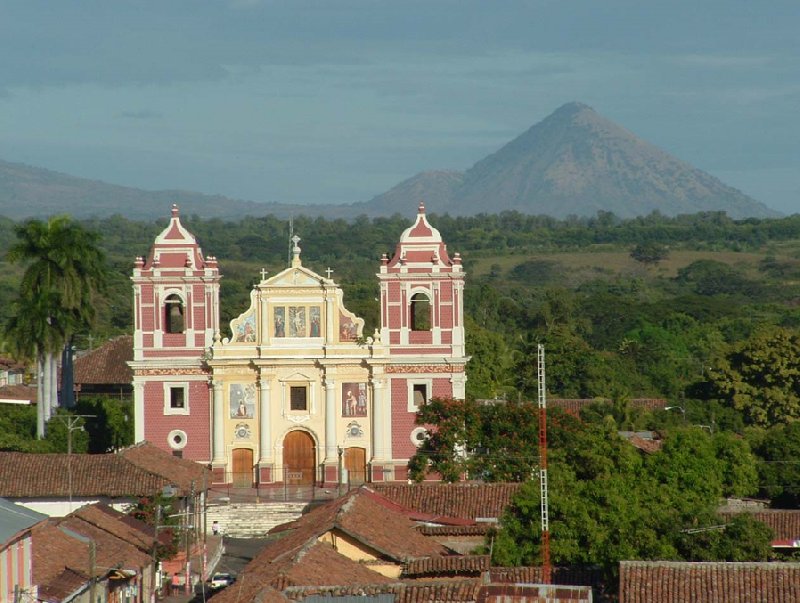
x: 542, y: 391
x: 71, y: 423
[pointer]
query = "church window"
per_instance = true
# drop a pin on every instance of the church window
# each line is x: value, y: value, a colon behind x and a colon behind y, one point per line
x: 176, y: 398
x: 173, y: 314
x: 419, y: 392
x: 420, y: 312
x: 177, y: 440
x: 176, y: 401
x: 298, y: 398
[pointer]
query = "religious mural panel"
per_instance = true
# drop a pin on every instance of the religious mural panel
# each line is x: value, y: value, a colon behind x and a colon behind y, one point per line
x: 246, y: 329
x: 242, y: 400
x: 297, y: 321
x: 314, y: 321
x: 348, y: 330
x: 279, y: 318
x: 354, y: 399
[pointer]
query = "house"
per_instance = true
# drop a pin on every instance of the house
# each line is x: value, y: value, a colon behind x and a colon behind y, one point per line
x: 16, y: 564
x: 11, y: 372
x: 710, y: 582
x: 294, y: 386
x: 369, y: 546
x: 105, y: 371
x: 94, y: 554
x: 785, y: 524
x: 57, y: 484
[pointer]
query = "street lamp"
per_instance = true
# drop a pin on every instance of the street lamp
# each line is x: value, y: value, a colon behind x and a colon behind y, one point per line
x: 680, y: 408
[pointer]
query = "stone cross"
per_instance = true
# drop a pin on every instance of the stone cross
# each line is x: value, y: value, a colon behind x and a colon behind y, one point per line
x: 264, y: 273
x: 329, y: 271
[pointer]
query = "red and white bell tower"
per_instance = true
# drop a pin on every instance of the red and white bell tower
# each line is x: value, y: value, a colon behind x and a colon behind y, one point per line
x: 422, y: 323
x: 176, y: 316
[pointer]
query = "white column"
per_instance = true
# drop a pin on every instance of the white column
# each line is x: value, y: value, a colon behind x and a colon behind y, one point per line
x: 138, y: 411
x: 380, y: 448
x: 330, y: 420
x: 264, y: 421
x: 218, y: 437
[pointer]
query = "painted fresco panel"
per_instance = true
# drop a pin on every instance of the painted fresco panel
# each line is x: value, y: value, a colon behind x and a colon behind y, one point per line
x: 297, y: 321
x: 279, y: 319
x: 348, y: 330
x: 242, y: 400
x: 314, y: 321
x: 354, y: 399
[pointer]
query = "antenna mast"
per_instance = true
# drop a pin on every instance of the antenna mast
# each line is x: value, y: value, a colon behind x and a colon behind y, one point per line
x: 546, y: 570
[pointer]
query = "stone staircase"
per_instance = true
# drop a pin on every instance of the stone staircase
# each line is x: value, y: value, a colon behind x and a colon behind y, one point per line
x: 252, y: 520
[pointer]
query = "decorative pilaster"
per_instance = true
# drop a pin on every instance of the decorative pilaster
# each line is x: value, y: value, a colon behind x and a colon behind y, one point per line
x: 264, y: 418
x: 138, y: 411
x: 218, y: 434
x: 380, y: 434
x: 330, y: 419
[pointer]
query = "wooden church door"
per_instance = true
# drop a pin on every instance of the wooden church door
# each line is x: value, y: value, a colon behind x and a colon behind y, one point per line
x: 242, y: 468
x: 299, y: 458
x: 355, y: 461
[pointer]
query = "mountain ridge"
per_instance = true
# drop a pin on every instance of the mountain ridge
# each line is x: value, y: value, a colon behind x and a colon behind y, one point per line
x: 576, y: 162
x: 573, y: 162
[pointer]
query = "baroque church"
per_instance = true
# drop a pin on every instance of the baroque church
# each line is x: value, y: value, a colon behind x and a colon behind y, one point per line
x: 293, y: 390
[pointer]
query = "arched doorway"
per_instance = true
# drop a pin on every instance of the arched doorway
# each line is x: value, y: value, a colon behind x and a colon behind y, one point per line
x: 242, y: 468
x: 355, y: 461
x: 299, y: 458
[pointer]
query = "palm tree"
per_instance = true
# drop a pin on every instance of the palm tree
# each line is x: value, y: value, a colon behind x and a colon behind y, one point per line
x: 65, y: 269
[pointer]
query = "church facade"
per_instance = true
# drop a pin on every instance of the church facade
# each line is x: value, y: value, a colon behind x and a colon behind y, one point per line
x: 293, y: 391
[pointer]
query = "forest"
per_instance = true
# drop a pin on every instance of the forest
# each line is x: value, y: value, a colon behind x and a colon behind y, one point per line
x: 701, y: 310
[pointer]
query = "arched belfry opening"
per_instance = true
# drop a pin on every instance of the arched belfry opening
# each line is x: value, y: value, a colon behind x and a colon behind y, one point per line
x: 174, y: 314
x: 420, y: 312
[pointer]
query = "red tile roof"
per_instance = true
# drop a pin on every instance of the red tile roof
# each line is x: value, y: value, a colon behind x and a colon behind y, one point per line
x: 426, y: 592
x: 19, y: 392
x: 299, y: 558
x: 25, y: 475
x: 181, y: 473
x: 451, y: 566
x: 466, y: 500
x: 107, y: 364
x: 137, y: 471
x: 569, y: 576
x: 475, y: 529
x: 784, y: 522
x: 63, y: 586
x: 679, y: 582
x: 60, y: 547
x: 573, y: 406
x: 534, y: 593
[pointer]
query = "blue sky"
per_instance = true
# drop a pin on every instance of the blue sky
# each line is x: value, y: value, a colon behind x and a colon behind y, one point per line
x: 337, y: 101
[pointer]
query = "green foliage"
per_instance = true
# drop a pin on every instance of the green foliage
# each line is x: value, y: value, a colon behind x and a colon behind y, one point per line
x: 761, y: 376
x: 109, y: 423
x: 607, y: 503
x: 160, y: 512
x: 779, y: 469
x: 649, y: 253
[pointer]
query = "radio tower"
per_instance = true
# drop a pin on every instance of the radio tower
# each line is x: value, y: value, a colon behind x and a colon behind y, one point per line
x: 546, y: 577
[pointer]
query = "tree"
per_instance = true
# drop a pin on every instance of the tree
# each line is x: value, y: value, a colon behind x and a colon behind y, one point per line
x: 778, y: 449
x: 649, y: 253
x: 65, y: 267
x: 761, y: 376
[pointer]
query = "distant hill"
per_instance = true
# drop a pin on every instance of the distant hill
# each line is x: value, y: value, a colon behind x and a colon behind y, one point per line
x: 27, y: 191
x: 575, y: 162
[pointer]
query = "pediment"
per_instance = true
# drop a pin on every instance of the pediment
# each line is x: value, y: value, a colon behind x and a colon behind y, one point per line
x: 294, y: 277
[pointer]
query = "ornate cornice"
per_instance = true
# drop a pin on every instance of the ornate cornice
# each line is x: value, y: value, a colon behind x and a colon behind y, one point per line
x: 425, y: 368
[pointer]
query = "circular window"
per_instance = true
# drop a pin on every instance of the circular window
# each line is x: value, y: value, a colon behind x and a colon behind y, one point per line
x: 418, y: 436
x: 177, y: 439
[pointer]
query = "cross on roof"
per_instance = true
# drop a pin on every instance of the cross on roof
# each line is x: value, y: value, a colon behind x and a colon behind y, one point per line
x: 329, y: 271
x: 264, y: 273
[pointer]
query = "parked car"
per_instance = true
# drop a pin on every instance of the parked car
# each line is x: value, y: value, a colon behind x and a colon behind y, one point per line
x: 221, y: 580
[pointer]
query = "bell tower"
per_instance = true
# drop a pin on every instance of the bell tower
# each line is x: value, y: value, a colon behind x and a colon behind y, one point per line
x: 176, y: 309
x: 422, y: 323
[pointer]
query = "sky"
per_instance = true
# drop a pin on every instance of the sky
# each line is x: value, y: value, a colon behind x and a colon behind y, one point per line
x: 334, y: 101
